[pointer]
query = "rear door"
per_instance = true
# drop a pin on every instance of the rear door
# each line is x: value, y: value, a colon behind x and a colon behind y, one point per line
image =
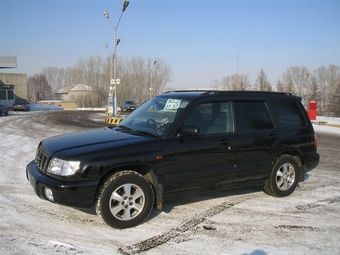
x: 257, y: 140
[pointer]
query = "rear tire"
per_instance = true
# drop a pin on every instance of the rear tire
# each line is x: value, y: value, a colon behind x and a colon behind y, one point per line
x: 125, y: 200
x: 283, y: 177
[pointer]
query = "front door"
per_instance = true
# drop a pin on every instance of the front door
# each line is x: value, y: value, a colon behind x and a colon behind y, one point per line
x: 204, y: 161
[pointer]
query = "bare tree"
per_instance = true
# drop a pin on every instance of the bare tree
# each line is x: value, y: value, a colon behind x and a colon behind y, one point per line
x: 280, y: 86
x: 313, y: 90
x: 235, y: 82
x: 141, y: 78
x: 39, y: 88
x: 326, y: 79
x: 297, y: 80
x: 216, y: 84
x: 91, y: 72
x: 262, y: 82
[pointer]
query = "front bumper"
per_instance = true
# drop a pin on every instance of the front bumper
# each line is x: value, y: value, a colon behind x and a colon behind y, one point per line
x: 75, y: 194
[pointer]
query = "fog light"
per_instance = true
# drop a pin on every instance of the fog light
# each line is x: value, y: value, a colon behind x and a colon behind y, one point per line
x: 48, y: 194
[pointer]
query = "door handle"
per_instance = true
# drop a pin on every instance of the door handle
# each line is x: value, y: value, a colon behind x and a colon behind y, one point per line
x: 223, y: 142
x: 272, y: 136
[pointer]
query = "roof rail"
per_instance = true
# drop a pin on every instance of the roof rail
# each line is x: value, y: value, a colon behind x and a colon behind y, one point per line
x: 222, y: 92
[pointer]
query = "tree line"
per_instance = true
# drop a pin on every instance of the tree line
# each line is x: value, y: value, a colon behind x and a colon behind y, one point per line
x: 143, y: 78
x: 140, y: 79
x: 322, y: 84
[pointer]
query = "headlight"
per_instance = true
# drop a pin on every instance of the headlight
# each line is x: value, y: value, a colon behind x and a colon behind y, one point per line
x: 63, y: 167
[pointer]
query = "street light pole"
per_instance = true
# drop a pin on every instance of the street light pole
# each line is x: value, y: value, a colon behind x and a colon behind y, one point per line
x: 114, y: 81
x: 111, y: 71
x: 150, y: 78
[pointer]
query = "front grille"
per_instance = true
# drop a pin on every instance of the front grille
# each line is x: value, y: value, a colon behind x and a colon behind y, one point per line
x: 41, y: 160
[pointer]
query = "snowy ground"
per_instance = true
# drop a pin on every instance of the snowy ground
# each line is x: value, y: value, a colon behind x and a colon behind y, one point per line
x: 244, y: 222
x: 327, y: 129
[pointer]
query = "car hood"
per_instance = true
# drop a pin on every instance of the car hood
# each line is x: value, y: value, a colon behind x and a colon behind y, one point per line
x: 106, y: 137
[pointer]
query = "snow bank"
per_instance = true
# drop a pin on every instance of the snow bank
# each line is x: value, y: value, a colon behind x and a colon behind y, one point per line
x: 38, y: 107
x: 327, y: 129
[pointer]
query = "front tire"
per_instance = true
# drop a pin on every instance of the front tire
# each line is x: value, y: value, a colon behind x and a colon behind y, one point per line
x: 283, y: 177
x: 125, y: 200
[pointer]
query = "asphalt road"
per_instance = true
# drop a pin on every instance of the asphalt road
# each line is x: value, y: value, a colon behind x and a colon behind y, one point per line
x: 242, y: 221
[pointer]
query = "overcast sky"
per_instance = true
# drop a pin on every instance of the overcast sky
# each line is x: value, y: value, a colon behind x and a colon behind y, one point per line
x: 201, y: 40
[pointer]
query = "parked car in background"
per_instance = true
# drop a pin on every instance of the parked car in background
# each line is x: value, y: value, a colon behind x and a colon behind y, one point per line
x: 128, y: 105
x: 23, y: 105
x: 3, y: 108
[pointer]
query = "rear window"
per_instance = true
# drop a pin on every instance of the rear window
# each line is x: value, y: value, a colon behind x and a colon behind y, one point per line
x: 289, y: 114
x: 21, y: 102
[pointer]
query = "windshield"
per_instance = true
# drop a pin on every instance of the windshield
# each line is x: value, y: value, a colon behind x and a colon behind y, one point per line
x: 155, y: 116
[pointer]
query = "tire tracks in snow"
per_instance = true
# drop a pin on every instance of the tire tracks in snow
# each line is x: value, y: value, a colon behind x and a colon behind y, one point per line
x: 158, y: 240
x: 189, y: 224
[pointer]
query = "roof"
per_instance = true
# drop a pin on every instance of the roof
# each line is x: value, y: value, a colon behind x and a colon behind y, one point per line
x: 8, y: 62
x: 75, y: 88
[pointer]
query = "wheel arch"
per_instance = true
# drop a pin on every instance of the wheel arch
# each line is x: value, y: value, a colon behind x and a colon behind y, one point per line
x: 296, y: 154
x: 145, y: 170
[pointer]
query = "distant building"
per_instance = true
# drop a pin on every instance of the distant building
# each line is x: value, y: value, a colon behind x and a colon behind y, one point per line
x: 74, y: 91
x: 8, y: 62
x: 80, y: 93
x: 12, y: 85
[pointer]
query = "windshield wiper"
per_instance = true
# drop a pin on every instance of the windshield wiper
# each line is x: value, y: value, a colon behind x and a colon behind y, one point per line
x: 124, y: 127
x: 146, y: 132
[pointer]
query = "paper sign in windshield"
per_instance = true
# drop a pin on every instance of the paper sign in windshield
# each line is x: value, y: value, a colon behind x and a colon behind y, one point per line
x: 172, y: 104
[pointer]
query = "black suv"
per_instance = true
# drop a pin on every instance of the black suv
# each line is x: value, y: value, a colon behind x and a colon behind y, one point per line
x: 176, y: 144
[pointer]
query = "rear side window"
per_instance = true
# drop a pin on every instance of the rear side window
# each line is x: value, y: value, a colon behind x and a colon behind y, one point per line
x: 288, y: 114
x: 252, y: 116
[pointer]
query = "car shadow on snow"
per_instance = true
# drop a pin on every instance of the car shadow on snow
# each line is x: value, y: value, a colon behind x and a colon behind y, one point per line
x: 169, y: 205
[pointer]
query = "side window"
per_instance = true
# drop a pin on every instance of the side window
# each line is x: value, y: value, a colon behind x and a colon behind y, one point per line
x: 288, y: 114
x: 212, y: 118
x: 3, y: 95
x: 200, y: 117
x: 10, y: 94
x: 252, y: 116
x: 223, y: 119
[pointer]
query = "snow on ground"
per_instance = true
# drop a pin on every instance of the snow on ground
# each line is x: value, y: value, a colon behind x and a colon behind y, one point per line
x: 242, y: 223
x: 327, y: 129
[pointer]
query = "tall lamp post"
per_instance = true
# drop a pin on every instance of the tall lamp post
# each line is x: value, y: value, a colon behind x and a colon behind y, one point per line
x: 114, y: 82
x: 150, y: 79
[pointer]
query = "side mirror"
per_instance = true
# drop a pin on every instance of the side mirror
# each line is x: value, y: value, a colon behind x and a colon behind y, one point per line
x: 189, y: 130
